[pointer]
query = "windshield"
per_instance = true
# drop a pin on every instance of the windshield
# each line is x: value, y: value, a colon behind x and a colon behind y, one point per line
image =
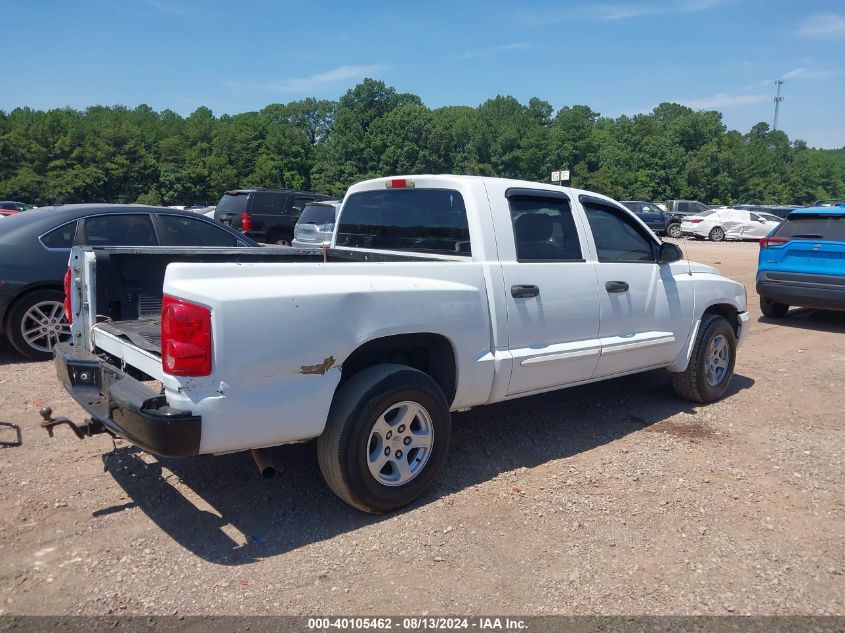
x: 232, y: 203
x: 317, y: 214
x: 814, y: 227
x: 704, y: 214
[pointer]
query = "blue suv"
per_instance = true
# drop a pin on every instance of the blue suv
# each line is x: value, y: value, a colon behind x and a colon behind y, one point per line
x: 802, y: 262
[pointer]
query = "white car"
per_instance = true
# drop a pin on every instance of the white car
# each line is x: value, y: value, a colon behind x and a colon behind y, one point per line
x: 439, y: 293
x: 729, y: 224
x: 315, y: 225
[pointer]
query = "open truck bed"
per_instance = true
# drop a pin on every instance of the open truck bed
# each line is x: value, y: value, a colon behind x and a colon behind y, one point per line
x: 124, y: 286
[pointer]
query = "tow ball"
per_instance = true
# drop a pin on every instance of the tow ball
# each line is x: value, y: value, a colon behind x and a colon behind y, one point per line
x: 86, y: 429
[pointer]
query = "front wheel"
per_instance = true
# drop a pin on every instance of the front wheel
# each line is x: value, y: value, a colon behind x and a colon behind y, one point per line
x: 673, y: 230
x: 386, y: 438
x: 711, y: 365
x: 716, y: 234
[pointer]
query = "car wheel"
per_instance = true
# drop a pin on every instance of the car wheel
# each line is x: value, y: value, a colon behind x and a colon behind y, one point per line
x: 711, y: 364
x: 281, y: 239
x: 716, y: 234
x: 37, y: 322
x: 386, y: 438
x: 673, y: 230
x: 773, y: 310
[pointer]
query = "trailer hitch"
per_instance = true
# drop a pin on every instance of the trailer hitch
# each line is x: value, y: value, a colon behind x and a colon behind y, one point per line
x: 86, y: 429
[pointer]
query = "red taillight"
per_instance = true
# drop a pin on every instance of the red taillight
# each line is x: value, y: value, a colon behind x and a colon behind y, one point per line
x: 696, y: 221
x: 399, y: 183
x: 246, y: 222
x: 185, y: 338
x: 68, y: 313
x: 768, y: 241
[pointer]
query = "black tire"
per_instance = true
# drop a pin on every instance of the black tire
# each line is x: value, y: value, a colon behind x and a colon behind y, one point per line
x: 674, y: 230
x: 345, y: 444
x: 692, y: 384
x: 717, y: 234
x: 773, y: 310
x: 280, y: 238
x: 17, y: 314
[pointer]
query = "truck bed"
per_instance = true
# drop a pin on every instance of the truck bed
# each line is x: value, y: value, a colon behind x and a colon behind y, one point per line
x: 144, y: 333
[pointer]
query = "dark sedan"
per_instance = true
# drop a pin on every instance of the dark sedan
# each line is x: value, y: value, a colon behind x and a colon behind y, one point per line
x: 34, y: 250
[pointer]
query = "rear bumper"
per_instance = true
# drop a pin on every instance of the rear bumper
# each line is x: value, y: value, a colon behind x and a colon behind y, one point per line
x: 824, y: 292
x: 125, y: 406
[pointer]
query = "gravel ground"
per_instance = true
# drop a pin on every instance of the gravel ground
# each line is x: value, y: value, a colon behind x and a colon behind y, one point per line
x: 613, y: 498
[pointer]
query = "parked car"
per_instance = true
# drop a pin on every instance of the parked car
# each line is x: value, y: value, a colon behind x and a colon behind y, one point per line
x: 782, y: 211
x: 729, y: 224
x: 10, y: 207
x: 657, y: 219
x: 802, y: 262
x: 34, y: 250
x: 316, y: 224
x: 440, y: 293
x: 686, y: 207
x: 265, y: 215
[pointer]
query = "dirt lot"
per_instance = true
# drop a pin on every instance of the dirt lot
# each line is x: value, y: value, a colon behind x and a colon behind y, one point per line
x: 611, y: 498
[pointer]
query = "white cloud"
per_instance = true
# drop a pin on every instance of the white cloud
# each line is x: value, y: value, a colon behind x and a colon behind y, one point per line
x: 170, y: 7
x: 724, y: 100
x: 496, y: 49
x: 799, y: 73
x: 312, y: 82
x: 612, y: 11
x: 822, y: 26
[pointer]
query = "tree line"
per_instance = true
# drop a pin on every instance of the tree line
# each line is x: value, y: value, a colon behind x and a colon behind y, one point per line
x: 117, y: 154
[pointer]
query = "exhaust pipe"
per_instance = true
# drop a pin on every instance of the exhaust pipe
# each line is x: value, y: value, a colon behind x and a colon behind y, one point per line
x: 265, y: 466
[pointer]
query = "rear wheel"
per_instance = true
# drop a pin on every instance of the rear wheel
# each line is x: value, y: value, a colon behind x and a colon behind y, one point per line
x: 711, y: 365
x: 773, y: 310
x: 281, y: 239
x: 673, y: 230
x: 716, y: 234
x: 386, y: 438
x: 37, y: 322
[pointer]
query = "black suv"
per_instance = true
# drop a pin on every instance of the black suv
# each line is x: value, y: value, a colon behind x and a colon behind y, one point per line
x: 656, y: 218
x: 686, y: 207
x: 265, y: 215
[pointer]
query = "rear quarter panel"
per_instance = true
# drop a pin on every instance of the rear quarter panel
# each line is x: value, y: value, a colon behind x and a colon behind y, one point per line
x: 281, y: 333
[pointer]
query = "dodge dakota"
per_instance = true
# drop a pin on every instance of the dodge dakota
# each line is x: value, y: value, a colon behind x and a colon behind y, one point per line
x: 438, y: 293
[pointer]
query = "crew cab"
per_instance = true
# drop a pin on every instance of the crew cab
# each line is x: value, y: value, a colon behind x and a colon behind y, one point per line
x: 438, y: 293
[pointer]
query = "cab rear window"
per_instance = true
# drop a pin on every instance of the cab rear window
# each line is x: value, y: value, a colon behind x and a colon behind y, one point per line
x: 814, y: 227
x: 416, y: 220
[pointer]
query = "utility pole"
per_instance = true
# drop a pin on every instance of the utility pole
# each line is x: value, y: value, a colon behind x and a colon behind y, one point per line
x: 778, y: 99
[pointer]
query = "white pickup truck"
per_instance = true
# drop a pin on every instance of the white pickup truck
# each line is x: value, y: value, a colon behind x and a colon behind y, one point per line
x: 438, y: 294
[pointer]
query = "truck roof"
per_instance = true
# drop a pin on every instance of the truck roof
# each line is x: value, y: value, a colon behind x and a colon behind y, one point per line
x: 434, y: 179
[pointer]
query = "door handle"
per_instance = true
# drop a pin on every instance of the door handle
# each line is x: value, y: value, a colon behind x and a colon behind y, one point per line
x: 616, y: 286
x: 524, y: 291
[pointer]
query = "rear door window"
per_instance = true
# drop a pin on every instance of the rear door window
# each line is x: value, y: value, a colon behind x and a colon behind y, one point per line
x: 544, y: 230
x: 267, y: 203
x: 60, y: 237
x: 415, y: 220
x: 298, y: 203
x: 119, y: 230
x: 814, y: 227
x: 178, y: 230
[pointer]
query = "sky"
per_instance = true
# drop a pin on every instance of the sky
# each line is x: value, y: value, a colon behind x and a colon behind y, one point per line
x: 616, y: 57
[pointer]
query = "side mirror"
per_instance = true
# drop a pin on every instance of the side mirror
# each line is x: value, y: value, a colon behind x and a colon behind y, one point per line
x: 669, y: 253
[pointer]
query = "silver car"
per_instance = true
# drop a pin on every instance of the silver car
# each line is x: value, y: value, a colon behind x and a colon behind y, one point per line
x: 316, y: 224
